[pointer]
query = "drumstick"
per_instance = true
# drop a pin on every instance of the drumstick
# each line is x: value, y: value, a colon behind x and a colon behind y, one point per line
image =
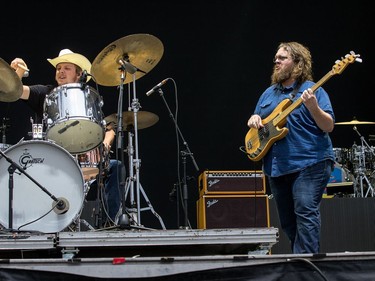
x: 23, y: 67
x: 26, y: 73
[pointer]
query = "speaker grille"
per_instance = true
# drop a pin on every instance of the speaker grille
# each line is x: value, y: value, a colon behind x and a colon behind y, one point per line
x: 233, y: 211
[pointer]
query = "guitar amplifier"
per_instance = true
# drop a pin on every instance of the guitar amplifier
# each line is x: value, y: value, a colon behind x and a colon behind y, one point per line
x: 232, y: 211
x: 231, y: 182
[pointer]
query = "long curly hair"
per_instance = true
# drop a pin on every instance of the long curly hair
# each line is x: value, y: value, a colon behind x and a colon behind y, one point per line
x: 301, y: 56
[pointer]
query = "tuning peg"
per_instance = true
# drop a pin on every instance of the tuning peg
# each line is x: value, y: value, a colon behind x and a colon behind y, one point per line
x: 357, y: 57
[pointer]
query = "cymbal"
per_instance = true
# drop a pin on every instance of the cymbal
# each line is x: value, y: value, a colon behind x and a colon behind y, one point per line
x: 355, y: 122
x: 145, y: 119
x: 10, y: 83
x: 140, y: 52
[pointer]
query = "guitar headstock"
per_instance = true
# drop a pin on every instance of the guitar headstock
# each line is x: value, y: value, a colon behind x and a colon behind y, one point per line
x: 340, y: 65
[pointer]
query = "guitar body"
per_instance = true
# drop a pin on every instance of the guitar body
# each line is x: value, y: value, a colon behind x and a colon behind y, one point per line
x: 259, y: 141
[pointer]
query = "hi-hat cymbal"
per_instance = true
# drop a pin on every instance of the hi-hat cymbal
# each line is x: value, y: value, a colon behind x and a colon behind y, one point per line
x: 145, y: 119
x: 10, y: 83
x: 355, y: 122
x: 138, y: 53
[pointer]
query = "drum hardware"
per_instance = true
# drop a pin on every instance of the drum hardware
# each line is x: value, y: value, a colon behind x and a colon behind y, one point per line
x: 30, y: 160
x: 361, y: 170
x: 133, y: 187
x: 37, y: 132
x: 137, y: 55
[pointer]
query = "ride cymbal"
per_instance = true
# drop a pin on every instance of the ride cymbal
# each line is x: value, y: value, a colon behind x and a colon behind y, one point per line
x: 355, y: 122
x: 10, y: 83
x: 137, y: 53
x: 145, y: 119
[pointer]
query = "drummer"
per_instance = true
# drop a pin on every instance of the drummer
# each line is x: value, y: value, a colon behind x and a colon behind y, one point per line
x: 71, y: 68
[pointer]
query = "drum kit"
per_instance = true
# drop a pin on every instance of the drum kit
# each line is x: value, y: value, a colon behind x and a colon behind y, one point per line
x: 358, y: 163
x: 49, y: 175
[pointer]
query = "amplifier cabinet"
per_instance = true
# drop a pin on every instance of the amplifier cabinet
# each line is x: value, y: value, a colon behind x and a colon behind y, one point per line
x: 231, y: 182
x: 232, y: 211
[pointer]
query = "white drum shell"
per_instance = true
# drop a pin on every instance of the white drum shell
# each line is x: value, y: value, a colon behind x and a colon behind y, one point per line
x: 54, y: 169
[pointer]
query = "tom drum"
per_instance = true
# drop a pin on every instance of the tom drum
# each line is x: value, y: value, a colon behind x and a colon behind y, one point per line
x: 74, y: 117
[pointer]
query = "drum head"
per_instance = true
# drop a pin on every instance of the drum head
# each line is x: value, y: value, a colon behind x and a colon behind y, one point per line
x: 56, y: 171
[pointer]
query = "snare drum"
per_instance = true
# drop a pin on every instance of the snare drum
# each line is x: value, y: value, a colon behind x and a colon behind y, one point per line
x: 54, y: 169
x: 90, y: 162
x: 74, y: 117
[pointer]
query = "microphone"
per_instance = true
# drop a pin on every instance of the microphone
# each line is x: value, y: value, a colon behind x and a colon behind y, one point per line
x: 83, y: 77
x: 62, y: 206
x: 157, y: 87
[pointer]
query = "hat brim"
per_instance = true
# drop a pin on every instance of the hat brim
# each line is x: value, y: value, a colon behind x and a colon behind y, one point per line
x: 74, y: 58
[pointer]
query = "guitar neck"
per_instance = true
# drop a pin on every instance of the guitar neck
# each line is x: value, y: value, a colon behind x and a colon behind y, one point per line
x: 299, y: 101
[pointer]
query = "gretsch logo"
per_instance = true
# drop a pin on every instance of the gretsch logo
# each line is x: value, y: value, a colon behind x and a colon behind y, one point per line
x: 26, y: 160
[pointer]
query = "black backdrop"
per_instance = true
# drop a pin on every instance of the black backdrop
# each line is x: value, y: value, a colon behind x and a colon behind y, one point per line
x: 219, y: 53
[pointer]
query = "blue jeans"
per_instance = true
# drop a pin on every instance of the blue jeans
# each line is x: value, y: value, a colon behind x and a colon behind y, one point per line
x: 113, y: 189
x: 298, y: 196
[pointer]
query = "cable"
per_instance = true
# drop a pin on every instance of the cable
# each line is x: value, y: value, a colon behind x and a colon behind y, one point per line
x: 309, y: 263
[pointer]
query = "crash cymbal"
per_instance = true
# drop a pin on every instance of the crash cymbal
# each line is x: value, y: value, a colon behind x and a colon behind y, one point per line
x: 145, y: 119
x: 355, y: 122
x: 138, y: 53
x: 10, y: 83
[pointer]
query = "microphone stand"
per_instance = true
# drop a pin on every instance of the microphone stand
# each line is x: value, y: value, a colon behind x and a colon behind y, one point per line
x: 183, y: 154
x: 12, y: 168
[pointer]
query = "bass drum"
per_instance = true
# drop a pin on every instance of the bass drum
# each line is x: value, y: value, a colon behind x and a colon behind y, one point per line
x: 56, y: 171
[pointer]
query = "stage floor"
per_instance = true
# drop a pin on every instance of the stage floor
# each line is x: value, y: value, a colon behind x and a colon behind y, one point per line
x: 182, y: 254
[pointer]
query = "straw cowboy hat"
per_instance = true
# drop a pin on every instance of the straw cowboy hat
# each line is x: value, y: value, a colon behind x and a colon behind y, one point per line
x: 68, y: 56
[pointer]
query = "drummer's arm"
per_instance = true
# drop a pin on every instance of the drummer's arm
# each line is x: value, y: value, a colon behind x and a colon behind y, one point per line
x: 25, y: 93
x: 109, y: 137
x: 20, y: 67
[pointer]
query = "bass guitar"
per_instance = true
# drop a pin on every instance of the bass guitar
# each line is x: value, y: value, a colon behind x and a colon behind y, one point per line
x: 259, y: 141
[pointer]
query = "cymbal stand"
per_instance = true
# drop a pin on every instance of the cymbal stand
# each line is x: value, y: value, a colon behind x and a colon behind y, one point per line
x: 361, y: 171
x: 133, y: 180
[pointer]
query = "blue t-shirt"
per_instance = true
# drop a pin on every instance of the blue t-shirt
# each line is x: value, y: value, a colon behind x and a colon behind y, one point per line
x: 305, y: 144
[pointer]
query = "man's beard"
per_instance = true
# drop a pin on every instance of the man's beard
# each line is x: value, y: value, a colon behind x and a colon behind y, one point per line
x: 281, y: 76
